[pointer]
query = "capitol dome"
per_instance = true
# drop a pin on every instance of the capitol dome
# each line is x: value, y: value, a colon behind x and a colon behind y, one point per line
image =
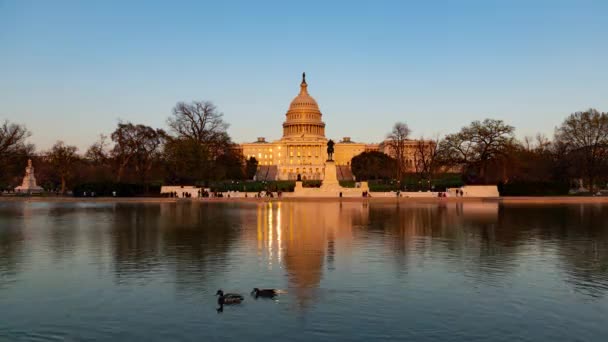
x: 303, y: 117
x: 304, y: 101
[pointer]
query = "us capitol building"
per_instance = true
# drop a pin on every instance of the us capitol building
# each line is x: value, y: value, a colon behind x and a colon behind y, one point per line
x: 303, y: 148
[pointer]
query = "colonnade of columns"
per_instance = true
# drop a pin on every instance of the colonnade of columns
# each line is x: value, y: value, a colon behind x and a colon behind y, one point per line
x: 309, y: 129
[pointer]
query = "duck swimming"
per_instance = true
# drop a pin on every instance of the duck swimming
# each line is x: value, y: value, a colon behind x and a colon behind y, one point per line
x: 265, y: 293
x: 228, y: 299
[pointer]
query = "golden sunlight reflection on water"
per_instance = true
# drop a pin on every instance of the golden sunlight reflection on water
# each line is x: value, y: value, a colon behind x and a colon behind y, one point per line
x: 422, y: 271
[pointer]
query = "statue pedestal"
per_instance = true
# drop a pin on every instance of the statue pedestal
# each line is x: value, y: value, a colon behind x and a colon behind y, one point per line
x: 330, y: 178
x: 298, y: 187
x: 330, y: 187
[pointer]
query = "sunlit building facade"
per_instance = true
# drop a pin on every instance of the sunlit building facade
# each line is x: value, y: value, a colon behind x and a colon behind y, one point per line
x: 302, y: 150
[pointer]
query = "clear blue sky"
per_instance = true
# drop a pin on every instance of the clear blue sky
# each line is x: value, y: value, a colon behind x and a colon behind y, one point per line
x: 70, y: 69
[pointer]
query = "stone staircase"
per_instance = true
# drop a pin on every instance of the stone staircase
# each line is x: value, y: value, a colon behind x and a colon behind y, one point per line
x: 273, y: 172
x: 344, y: 173
x: 267, y: 173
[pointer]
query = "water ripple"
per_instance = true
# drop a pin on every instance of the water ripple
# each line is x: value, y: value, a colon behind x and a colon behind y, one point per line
x: 456, y: 272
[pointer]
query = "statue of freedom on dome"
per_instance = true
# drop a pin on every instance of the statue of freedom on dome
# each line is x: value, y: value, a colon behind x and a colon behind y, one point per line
x: 330, y: 150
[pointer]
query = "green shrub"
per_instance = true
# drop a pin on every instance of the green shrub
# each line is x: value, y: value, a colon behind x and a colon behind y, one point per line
x: 522, y: 188
x: 348, y: 184
x: 121, y: 189
x: 311, y: 184
x: 252, y: 186
x: 381, y: 186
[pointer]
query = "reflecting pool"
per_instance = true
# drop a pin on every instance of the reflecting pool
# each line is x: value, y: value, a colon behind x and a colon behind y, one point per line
x: 353, y: 271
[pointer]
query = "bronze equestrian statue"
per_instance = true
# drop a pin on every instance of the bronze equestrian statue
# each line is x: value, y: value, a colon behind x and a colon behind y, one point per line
x: 330, y: 150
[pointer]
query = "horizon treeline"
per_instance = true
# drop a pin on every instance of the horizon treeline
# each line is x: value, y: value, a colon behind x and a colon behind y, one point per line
x: 196, y: 149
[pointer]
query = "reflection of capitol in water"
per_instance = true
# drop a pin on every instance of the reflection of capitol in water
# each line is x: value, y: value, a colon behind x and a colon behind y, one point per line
x: 303, y: 238
x: 339, y: 262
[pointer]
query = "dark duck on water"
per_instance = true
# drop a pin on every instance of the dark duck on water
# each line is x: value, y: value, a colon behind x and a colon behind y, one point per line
x: 227, y: 299
x: 265, y: 293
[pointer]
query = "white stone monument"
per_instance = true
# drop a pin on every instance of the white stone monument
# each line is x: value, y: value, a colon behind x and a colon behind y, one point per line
x: 330, y: 187
x: 330, y: 179
x: 29, y: 185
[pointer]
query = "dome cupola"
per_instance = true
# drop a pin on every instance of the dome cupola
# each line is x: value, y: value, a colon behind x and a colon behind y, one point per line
x: 303, y: 117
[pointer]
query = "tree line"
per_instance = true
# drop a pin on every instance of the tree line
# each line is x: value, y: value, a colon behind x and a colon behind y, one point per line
x: 487, y: 152
x: 196, y: 148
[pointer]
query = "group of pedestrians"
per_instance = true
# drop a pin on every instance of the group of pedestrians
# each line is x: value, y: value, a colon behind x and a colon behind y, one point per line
x: 270, y: 194
x: 175, y: 194
x: 208, y: 194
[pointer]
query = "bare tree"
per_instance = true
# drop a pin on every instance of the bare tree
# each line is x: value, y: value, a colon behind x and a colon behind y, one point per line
x: 585, y: 137
x: 538, y: 143
x: 476, y: 145
x: 135, y: 145
x: 528, y: 143
x: 457, y: 150
x: 562, y: 164
x: 14, y: 152
x: 427, y: 157
x: 98, y: 153
x: 397, y: 141
x: 149, y: 151
x: 199, y: 121
x: 543, y: 144
x: 201, y: 143
x: 62, y: 158
x: 12, y: 138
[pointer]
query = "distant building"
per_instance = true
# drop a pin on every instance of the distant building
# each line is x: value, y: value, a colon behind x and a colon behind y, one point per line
x: 302, y: 150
